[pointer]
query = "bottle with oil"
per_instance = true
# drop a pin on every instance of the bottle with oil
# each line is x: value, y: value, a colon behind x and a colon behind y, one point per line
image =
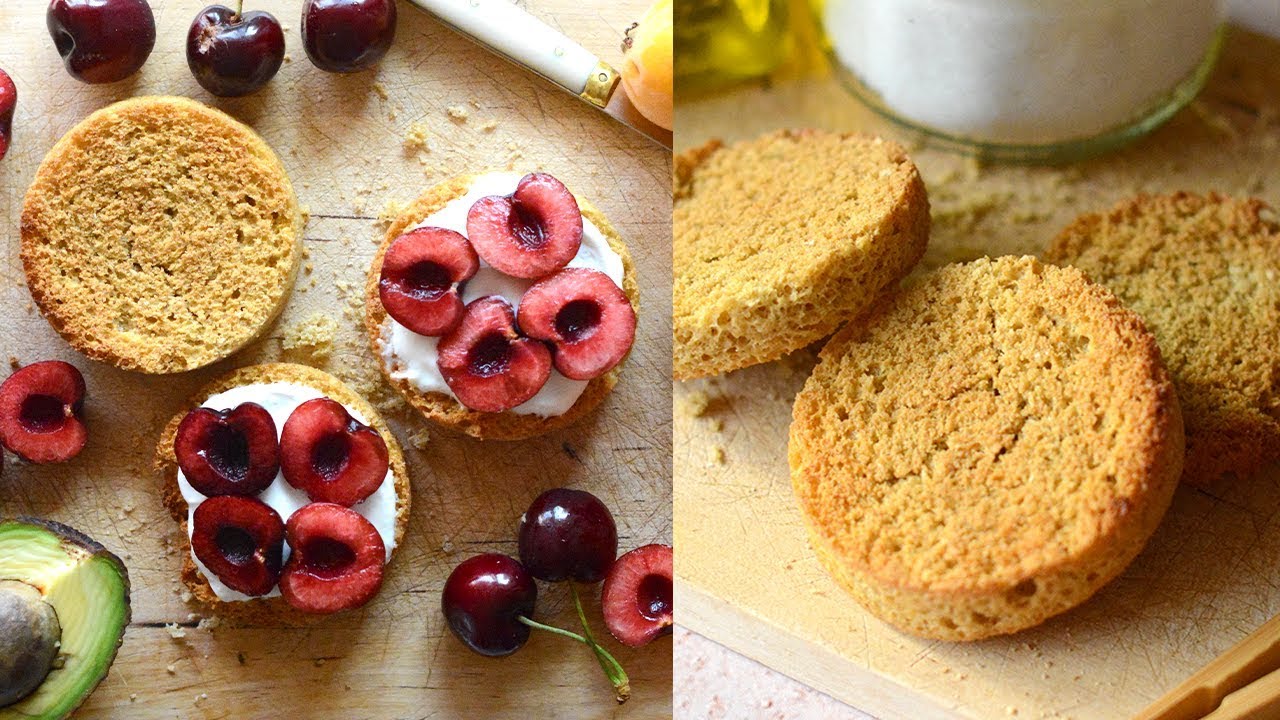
x: 719, y: 42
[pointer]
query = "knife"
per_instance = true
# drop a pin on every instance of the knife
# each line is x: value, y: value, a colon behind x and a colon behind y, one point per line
x: 526, y: 40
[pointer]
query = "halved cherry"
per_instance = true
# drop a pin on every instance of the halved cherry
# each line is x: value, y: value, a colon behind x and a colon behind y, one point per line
x: 41, y: 412
x: 241, y: 540
x: 586, y: 317
x: 421, y: 272
x: 530, y: 233
x: 487, y: 364
x: 336, y: 562
x: 228, y: 452
x: 637, y: 598
x: 331, y: 456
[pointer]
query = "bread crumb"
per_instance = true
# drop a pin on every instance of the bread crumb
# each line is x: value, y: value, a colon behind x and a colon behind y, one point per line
x: 390, y: 211
x: 716, y: 425
x: 176, y: 631
x: 420, y: 438
x: 305, y: 212
x: 717, y: 455
x: 489, y: 126
x: 171, y: 668
x: 416, y: 140
x: 133, y: 697
x: 459, y: 113
x: 381, y: 90
x: 319, y: 662
x: 311, y: 338
x: 696, y: 403
x: 13, y: 363
x: 185, y: 595
x: 209, y: 624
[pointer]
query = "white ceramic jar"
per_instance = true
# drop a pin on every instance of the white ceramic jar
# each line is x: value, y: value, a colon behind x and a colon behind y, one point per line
x: 1026, y: 79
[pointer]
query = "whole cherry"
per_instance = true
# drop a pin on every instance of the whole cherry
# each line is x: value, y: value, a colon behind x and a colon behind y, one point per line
x: 8, y: 102
x: 568, y: 535
x: 345, y: 36
x: 102, y: 41
x: 232, y: 52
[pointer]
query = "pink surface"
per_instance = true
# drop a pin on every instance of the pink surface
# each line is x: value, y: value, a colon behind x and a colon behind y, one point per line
x: 712, y: 682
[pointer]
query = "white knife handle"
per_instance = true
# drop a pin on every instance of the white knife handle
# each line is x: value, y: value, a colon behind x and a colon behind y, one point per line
x: 530, y: 42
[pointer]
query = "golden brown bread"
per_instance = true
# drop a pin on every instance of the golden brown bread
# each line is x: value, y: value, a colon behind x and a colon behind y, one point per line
x: 1204, y: 273
x: 166, y: 464
x: 781, y: 239
x: 986, y: 449
x: 444, y: 410
x: 160, y: 235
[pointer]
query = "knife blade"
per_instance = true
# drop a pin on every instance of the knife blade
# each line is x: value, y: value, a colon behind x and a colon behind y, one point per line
x: 527, y: 41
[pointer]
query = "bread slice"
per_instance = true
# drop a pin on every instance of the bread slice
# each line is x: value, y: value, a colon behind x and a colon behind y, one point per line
x: 781, y: 239
x: 160, y: 235
x: 1204, y: 272
x: 446, y: 411
x: 986, y: 449
x: 166, y: 463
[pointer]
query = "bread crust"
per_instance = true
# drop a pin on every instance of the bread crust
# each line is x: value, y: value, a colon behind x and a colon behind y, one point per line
x: 781, y: 239
x: 446, y: 411
x: 166, y: 465
x: 160, y: 235
x: 986, y: 449
x: 1204, y: 273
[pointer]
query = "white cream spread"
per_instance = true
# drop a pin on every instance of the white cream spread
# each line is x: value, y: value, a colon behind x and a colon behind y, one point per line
x: 412, y: 357
x: 1024, y: 71
x: 279, y: 399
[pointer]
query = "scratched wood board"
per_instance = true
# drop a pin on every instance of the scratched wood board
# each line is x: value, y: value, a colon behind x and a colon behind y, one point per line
x: 342, y: 139
x: 745, y: 575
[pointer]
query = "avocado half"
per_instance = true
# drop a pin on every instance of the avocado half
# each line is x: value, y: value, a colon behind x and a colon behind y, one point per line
x: 61, y: 638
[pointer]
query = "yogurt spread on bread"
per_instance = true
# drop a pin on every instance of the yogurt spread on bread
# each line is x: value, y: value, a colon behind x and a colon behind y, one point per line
x: 412, y: 357
x: 280, y: 399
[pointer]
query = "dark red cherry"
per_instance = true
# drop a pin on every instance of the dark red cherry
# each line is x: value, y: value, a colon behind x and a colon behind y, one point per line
x: 483, y: 600
x: 102, y: 41
x: 346, y: 36
x: 233, y: 54
x: 568, y: 535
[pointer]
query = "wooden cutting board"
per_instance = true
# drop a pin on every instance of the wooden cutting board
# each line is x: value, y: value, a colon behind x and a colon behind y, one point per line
x: 342, y: 140
x: 745, y: 575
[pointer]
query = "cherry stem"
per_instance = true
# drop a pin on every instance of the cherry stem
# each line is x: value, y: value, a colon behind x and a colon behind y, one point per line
x: 239, y: 8
x: 552, y: 629
x: 608, y: 663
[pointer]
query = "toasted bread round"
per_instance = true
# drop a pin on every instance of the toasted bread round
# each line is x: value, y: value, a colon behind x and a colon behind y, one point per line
x: 166, y: 463
x: 782, y: 239
x: 160, y: 235
x: 986, y: 449
x: 446, y: 411
x: 1204, y: 273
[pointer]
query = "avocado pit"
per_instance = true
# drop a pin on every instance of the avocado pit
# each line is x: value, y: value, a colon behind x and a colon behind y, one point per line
x: 30, y: 636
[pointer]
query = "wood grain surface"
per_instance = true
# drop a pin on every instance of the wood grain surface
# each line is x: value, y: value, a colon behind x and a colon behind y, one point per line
x: 745, y: 575
x: 342, y: 139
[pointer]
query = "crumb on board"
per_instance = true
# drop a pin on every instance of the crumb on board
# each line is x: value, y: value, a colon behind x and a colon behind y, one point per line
x: 312, y: 338
x: 489, y: 126
x: 185, y: 595
x: 420, y: 438
x: 14, y: 364
x: 171, y: 668
x: 209, y: 624
x: 696, y: 403
x: 717, y: 454
x: 416, y: 139
x: 716, y: 425
x: 458, y: 113
x: 381, y: 90
x: 390, y: 211
x: 305, y: 212
x: 176, y: 631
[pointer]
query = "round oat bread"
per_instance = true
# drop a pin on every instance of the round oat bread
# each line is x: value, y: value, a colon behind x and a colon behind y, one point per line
x: 1204, y: 273
x: 166, y: 464
x: 446, y: 411
x: 160, y: 235
x: 780, y: 240
x: 986, y: 449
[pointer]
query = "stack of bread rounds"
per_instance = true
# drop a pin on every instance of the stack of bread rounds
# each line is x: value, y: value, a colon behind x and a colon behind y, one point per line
x: 1204, y: 273
x: 782, y: 239
x: 986, y: 449
x: 160, y: 235
x: 444, y: 410
x: 166, y: 464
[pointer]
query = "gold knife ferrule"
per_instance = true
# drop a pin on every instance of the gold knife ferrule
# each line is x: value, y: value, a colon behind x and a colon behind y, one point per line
x: 600, y: 85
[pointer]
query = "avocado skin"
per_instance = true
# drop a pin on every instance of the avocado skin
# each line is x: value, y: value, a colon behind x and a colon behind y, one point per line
x: 29, y: 636
x: 70, y: 688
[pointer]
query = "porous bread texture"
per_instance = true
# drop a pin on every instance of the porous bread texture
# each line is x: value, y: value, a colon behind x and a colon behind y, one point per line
x: 781, y: 239
x: 1204, y: 273
x: 166, y: 464
x: 446, y: 411
x: 160, y: 235
x: 986, y: 449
